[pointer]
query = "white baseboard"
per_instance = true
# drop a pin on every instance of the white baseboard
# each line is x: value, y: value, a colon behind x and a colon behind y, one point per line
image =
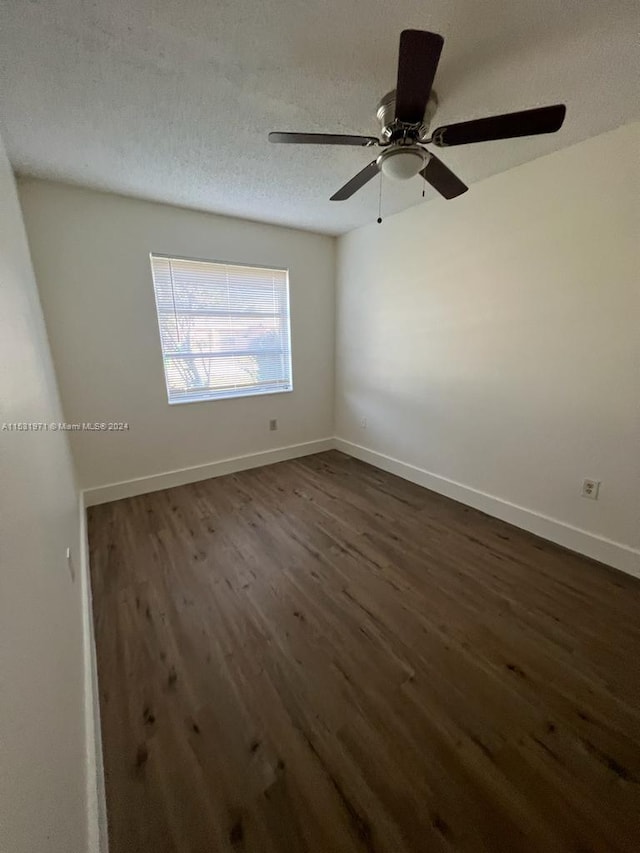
x: 97, y: 837
x: 597, y: 547
x: 591, y: 545
x: 169, y: 479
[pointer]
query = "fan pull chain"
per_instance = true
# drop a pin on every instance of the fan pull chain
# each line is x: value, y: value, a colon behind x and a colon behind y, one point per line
x: 380, y: 201
x: 424, y: 185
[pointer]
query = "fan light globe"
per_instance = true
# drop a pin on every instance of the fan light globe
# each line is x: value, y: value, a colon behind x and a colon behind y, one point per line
x: 402, y: 163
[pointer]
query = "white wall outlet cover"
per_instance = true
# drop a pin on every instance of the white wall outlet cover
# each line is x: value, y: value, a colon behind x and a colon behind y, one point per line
x: 363, y: 423
x: 590, y: 489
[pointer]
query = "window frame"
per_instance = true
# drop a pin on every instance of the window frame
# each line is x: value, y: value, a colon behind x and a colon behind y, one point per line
x: 213, y: 396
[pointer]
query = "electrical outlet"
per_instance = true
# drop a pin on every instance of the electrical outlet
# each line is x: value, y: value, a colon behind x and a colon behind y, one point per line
x: 590, y: 489
x: 363, y: 423
x: 273, y: 424
x: 70, y: 565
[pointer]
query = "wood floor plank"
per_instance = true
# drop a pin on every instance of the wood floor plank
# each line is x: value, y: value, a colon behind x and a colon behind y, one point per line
x: 319, y: 657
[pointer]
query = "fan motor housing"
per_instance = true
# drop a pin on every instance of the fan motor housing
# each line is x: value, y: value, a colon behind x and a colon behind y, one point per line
x: 391, y: 129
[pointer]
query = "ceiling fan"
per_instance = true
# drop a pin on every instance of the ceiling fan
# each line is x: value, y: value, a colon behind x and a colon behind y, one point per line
x: 405, y: 115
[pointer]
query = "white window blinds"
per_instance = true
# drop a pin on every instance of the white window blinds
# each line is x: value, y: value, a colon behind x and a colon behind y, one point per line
x: 224, y: 328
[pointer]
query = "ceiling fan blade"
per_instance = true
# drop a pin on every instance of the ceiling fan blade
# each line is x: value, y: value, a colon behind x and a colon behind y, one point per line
x: 508, y: 126
x: 356, y: 182
x: 442, y: 178
x: 322, y: 139
x: 417, y: 63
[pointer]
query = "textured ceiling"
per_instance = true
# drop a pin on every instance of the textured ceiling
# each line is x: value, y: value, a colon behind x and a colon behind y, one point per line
x: 172, y: 100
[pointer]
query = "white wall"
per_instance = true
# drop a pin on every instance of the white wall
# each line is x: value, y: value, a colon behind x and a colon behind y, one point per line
x: 91, y: 255
x: 42, y: 726
x: 494, y: 340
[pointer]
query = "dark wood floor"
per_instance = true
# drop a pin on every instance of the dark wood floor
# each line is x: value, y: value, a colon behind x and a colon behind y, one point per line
x: 318, y: 656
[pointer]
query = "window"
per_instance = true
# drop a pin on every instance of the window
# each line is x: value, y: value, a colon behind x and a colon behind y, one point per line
x: 224, y: 328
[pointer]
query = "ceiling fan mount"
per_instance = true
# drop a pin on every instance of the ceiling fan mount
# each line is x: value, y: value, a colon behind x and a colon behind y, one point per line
x: 405, y: 115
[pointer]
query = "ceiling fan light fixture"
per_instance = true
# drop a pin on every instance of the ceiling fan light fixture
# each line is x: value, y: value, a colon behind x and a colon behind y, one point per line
x: 403, y: 162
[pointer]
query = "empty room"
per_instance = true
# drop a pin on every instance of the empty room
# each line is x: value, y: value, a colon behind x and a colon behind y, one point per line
x: 319, y: 427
